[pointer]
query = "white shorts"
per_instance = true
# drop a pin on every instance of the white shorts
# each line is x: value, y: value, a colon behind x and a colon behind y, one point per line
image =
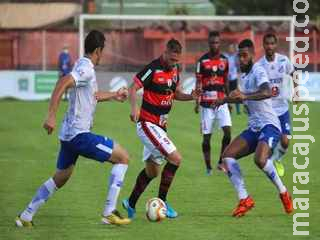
x: 209, y: 115
x: 157, y: 144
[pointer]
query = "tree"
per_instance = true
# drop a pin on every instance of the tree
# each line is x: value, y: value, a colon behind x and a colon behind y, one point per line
x: 266, y: 7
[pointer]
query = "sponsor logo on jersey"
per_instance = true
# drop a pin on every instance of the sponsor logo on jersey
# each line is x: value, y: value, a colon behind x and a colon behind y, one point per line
x: 276, y: 80
x: 222, y: 66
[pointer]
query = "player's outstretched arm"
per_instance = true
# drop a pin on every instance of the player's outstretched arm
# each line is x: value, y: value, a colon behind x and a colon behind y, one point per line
x: 121, y: 95
x: 264, y: 92
x: 61, y: 86
x: 181, y: 96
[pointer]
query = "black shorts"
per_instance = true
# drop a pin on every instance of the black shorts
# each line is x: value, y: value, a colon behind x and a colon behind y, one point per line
x: 233, y: 84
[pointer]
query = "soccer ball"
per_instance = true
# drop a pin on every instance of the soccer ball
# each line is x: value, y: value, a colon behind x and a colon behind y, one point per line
x: 156, y: 210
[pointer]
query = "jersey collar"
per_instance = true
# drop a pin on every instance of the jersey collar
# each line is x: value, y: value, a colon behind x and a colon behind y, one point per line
x: 89, y: 60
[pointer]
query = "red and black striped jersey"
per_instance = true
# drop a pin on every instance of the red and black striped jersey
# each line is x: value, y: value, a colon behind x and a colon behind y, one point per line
x: 211, y: 74
x: 159, y: 86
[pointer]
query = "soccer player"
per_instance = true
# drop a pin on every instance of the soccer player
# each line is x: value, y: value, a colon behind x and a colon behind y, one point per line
x: 160, y: 82
x: 212, y: 79
x: 278, y: 66
x: 75, y: 136
x: 263, y: 131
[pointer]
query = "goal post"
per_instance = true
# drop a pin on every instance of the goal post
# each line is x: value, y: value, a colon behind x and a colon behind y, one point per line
x: 86, y: 17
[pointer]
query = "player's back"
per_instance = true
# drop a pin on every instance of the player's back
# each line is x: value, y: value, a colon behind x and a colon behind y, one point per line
x: 82, y: 102
x: 278, y: 72
x: 260, y: 112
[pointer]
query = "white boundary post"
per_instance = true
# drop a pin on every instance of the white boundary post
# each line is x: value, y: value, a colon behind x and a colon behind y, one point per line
x: 84, y: 17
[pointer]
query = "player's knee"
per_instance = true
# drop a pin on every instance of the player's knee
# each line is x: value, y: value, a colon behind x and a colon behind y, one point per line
x: 124, y: 157
x: 175, y: 158
x: 285, y: 142
x: 152, y: 173
x: 120, y: 155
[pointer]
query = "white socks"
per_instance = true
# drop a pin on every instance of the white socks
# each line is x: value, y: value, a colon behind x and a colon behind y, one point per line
x: 271, y: 172
x: 235, y: 176
x: 43, y: 194
x: 115, y: 182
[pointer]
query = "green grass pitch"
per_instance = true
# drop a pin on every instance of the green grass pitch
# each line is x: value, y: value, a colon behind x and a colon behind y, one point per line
x: 28, y: 158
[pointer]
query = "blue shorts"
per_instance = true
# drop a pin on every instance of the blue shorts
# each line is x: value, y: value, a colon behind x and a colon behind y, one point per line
x: 269, y: 134
x: 285, y: 123
x: 88, y: 145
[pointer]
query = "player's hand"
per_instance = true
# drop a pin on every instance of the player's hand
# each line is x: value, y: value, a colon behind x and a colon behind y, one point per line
x: 237, y: 95
x: 196, y: 93
x: 100, y: 96
x: 49, y: 125
x: 134, y: 115
x: 196, y: 108
x: 122, y: 94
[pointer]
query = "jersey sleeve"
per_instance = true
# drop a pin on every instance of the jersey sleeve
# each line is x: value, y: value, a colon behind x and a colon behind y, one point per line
x: 144, y: 77
x: 82, y: 73
x: 289, y: 67
x: 261, y: 76
x: 199, y: 69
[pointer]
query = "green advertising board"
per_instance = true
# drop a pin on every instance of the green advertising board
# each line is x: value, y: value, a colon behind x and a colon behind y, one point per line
x: 45, y: 81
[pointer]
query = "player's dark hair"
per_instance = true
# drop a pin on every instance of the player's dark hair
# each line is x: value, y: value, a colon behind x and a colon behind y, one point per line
x: 213, y: 34
x: 173, y: 45
x: 270, y: 35
x: 246, y: 43
x: 94, y: 39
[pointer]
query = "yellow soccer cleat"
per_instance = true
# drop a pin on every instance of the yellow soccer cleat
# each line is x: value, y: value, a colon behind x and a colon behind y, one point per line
x: 279, y: 167
x: 115, y: 218
x: 23, y: 223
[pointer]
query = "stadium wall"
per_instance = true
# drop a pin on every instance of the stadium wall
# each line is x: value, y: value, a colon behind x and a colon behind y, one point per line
x: 129, y: 51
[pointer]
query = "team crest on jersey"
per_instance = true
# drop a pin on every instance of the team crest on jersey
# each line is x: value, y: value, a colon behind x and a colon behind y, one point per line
x: 222, y: 66
x: 169, y: 82
x: 214, y: 68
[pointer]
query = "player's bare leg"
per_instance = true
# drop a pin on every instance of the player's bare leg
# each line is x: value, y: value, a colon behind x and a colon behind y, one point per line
x: 120, y: 160
x: 206, y: 150
x: 262, y: 160
x: 224, y: 143
x: 237, y: 149
x: 45, y: 191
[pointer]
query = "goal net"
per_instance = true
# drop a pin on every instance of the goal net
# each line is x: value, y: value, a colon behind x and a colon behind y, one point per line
x: 135, y: 40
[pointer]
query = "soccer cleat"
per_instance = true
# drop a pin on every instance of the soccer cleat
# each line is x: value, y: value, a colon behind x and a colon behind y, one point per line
x: 286, y: 202
x: 115, y: 219
x: 243, y: 207
x: 131, y: 211
x: 209, y: 171
x: 23, y: 223
x: 279, y: 167
x: 171, y: 213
